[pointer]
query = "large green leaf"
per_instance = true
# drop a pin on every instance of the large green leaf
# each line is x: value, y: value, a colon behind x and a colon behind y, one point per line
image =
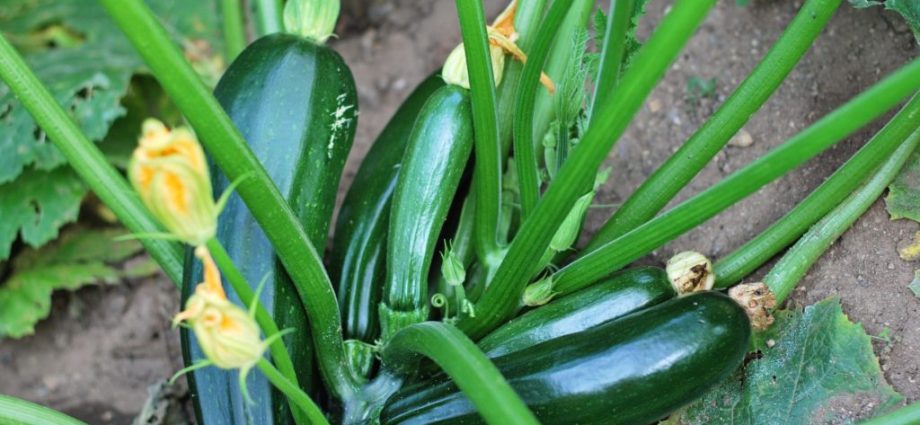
x: 903, y: 200
x: 78, y: 258
x: 87, y: 64
x: 909, y: 10
x: 36, y: 204
x: 813, y: 367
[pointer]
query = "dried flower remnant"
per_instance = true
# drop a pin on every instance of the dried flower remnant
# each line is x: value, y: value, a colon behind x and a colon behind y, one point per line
x: 757, y: 300
x: 690, y: 271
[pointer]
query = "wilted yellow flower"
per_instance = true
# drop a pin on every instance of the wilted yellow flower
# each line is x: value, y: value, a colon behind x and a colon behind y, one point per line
x: 502, y: 39
x: 169, y: 171
x: 228, y: 334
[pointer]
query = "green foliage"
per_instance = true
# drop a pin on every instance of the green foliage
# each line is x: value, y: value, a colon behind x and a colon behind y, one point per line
x: 80, y: 257
x: 87, y: 64
x: 814, y: 367
x: 36, y: 204
x: 915, y: 284
x: 909, y: 10
x: 699, y: 88
x: 632, y: 40
x: 903, y: 200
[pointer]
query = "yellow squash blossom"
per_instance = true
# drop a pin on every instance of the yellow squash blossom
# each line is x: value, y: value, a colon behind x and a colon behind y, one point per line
x: 228, y: 334
x: 169, y: 172
x: 502, y: 38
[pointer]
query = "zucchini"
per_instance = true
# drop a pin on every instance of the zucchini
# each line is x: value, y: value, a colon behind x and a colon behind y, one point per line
x: 633, y: 370
x: 625, y: 292
x: 357, y: 262
x: 295, y: 103
x: 438, y: 150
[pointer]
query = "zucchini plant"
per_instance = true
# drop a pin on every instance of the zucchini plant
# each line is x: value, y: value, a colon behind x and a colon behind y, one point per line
x: 453, y: 291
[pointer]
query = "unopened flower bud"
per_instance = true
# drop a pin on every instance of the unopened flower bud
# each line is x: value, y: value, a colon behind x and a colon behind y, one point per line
x: 539, y: 292
x: 169, y: 172
x: 690, y: 271
x: 452, y: 268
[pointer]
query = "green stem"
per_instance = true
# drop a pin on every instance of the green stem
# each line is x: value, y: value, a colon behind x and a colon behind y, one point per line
x: 487, y: 173
x: 526, y: 22
x: 230, y: 151
x: 743, y: 261
x: 503, y: 296
x: 616, y: 254
x: 612, y: 52
x: 558, y: 63
x: 244, y: 291
x: 269, y: 16
x: 21, y: 412
x: 293, y: 393
x: 234, y: 29
x: 909, y: 415
x: 465, y: 363
x: 655, y: 193
x: 795, y: 263
x: 524, y: 157
x: 86, y: 159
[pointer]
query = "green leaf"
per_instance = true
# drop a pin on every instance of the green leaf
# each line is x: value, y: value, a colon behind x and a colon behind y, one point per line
x: 814, y: 367
x: 903, y: 200
x: 87, y: 64
x: 36, y: 205
x: 632, y: 40
x: 80, y: 257
x: 915, y: 284
x: 909, y: 10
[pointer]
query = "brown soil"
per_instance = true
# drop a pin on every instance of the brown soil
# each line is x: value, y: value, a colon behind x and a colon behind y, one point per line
x: 104, y: 346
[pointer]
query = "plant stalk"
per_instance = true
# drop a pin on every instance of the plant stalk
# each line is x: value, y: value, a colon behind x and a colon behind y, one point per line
x: 21, y: 412
x: 503, y: 296
x: 234, y: 29
x: 304, y: 404
x: 655, y: 192
x: 244, y: 291
x: 743, y: 261
x: 613, y: 51
x: 487, y: 172
x: 230, y: 151
x: 86, y: 159
x: 790, y: 269
x: 269, y: 16
x: 524, y: 157
x: 908, y: 415
x: 835, y: 126
x: 465, y: 363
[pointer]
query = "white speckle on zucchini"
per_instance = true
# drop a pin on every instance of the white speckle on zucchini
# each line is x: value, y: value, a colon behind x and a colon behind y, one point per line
x: 341, y: 122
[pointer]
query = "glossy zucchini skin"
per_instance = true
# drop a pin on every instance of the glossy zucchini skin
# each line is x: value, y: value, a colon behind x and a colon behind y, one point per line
x: 437, y: 153
x: 633, y: 370
x: 357, y: 261
x: 623, y: 293
x: 295, y: 103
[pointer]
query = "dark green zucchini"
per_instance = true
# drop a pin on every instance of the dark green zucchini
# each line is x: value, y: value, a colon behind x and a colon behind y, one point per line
x: 627, y: 291
x: 633, y: 370
x: 295, y: 103
x: 437, y: 153
x: 358, y: 260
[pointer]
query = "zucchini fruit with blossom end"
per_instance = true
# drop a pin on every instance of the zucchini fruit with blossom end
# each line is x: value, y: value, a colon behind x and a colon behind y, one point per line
x: 633, y: 370
x: 621, y: 294
x: 295, y: 102
x: 358, y: 258
x: 438, y: 150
